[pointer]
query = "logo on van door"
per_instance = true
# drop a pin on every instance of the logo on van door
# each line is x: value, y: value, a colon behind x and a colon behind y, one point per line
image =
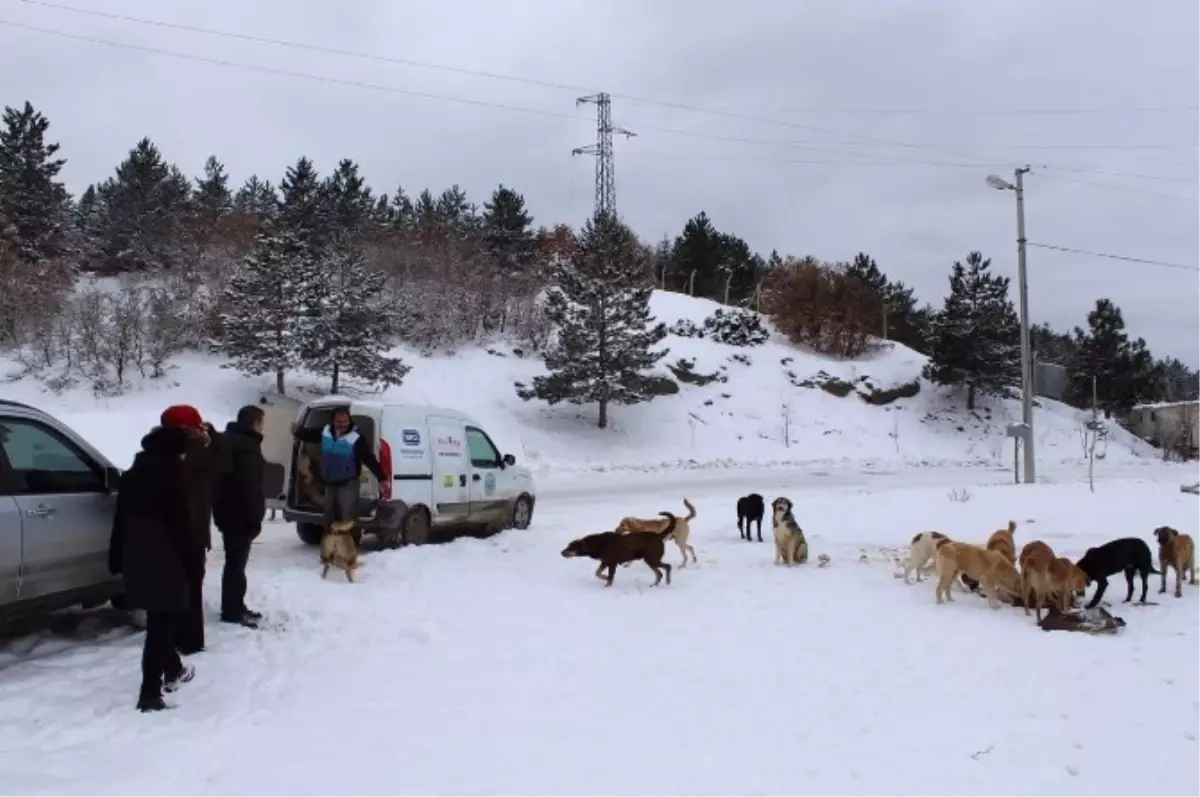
x: 411, y: 437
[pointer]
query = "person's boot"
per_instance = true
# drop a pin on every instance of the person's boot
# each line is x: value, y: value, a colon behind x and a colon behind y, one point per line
x: 172, y: 682
x: 241, y: 618
x: 253, y: 615
x: 150, y: 699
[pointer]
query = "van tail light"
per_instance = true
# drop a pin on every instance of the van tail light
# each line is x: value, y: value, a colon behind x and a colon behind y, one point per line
x: 385, y: 464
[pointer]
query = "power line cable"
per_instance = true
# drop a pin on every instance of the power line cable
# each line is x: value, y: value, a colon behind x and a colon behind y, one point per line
x: 1125, y: 189
x: 567, y: 87
x: 1162, y: 263
x: 407, y: 92
x: 979, y: 162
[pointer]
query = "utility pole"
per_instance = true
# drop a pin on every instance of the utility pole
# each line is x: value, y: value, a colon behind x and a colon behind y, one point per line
x: 1018, y: 187
x: 606, y: 180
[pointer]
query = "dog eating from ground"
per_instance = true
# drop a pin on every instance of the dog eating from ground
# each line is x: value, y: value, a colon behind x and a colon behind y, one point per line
x: 995, y: 574
x: 790, y: 546
x: 1047, y: 578
x: 1178, y: 551
x: 1128, y: 554
x: 678, y: 529
x: 750, y: 509
x: 612, y: 548
x: 1002, y: 542
x: 921, y: 552
x: 338, y: 549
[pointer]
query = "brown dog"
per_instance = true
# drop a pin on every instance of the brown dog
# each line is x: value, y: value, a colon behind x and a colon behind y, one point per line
x: 995, y: 574
x: 612, y: 548
x: 683, y: 528
x: 1178, y: 551
x: 1045, y: 577
x: 1002, y: 542
x: 1035, y: 556
x: 338, y: 549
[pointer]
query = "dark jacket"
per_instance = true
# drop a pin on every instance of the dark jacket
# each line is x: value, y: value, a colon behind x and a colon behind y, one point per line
x: 151, y: 533
x: 202, y: 468
x: 240, y: 500
x: 360, y: 451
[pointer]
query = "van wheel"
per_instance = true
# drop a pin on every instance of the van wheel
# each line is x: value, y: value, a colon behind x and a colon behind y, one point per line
x: 522, y: 513
x: 310, y: 533
x: 416, y: 526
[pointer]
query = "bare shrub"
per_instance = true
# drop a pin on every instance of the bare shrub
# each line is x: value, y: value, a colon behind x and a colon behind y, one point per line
x: 959, y: 495
x: 822, y: 306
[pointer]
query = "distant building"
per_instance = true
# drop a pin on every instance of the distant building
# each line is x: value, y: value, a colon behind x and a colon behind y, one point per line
x: 1049, y: 380
x: 1169, y: 425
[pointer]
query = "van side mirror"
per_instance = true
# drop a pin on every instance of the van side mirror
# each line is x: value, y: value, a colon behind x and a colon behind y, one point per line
x: 509, y: 460
x: 112, y: 476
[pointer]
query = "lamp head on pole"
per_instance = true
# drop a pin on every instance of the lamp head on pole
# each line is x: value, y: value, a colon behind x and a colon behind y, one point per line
x: 999, y: 183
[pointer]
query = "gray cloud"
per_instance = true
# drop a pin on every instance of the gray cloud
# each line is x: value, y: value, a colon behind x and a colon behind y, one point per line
x: 764, y: 59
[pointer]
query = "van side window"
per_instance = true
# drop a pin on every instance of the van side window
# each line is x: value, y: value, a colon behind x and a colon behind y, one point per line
x: 483, y: 453
x: 43, y: 462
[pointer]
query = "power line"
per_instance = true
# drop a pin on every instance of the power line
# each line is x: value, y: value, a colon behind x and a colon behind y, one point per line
x: 567, y: 87
x: 1164, y: 264
x: 978, y: 162
x: 1125, y: 189
x: 424, y: 95
x: 1103, y: 173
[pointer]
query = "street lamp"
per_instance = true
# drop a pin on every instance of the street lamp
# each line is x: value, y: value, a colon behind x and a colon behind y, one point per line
x: 1018, y: 186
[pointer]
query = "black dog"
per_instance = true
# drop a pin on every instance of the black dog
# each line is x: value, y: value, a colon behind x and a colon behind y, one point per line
x: 1128, y: 554
x: 750, y: 509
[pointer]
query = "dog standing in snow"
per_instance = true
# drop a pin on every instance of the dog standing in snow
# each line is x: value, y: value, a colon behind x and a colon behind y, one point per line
x: 681, y: 526
x: 339, y: 550
x: 921, y: 552
x: 750, y: 509
x: 1178, y: 551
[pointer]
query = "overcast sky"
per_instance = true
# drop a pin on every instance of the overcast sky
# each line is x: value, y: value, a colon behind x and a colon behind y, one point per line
x: 833, y: 175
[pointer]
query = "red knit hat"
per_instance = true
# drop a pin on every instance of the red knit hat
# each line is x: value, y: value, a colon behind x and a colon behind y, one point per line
x: 182, y: 416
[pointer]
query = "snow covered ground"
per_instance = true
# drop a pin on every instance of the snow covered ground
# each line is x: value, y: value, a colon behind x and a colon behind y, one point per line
x: 497, y: 667
x: 722, y: 424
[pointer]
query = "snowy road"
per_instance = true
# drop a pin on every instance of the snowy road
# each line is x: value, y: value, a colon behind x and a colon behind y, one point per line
x: 495, y: 666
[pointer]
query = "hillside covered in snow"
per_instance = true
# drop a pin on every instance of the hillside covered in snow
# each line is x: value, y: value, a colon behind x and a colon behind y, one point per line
x: 771, y: 404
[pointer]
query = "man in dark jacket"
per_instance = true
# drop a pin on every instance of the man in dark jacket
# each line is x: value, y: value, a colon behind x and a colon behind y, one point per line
x: 344, y: 453
x: 149, y: 547
x: 202, y: 465
x: 238, y: 509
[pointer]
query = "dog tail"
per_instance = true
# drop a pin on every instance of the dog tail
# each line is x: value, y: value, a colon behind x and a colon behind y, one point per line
x: 671, y: 521
x: 1012, y: 526
x: 691, y: 510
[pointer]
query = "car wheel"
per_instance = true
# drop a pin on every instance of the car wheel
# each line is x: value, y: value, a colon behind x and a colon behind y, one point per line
x: 416, y: 526
x: 310, y: 533
x: 522, y: 513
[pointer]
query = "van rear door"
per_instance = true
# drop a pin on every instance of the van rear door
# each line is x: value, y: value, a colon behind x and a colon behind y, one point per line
x: 278, y: 446
x: 451, y: 468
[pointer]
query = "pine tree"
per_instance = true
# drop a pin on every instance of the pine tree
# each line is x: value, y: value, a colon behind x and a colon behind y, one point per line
x: 404, y: 216
x: 33, y: 202
x: 347, y: 323
x: 600, y: 306
x: 975, y: 339
x: 267, y: 303
x: 211, y: 201
x: 697, y: 256
x: 508, y: 232
x: 457, y: 215
x: 350, y: 200
x: 304, y: 208
x: 257, y: 198
x: 143, y: 211
x: 898, y: 313
x: 1123, y: 370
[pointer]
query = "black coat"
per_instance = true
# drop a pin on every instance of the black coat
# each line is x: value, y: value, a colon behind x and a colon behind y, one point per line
x: 151, y: 535
x: 241, y: 501
x: 202, y: 467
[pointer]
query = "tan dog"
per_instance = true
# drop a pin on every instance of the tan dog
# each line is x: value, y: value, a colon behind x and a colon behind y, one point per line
x: 790, y: 546
x: 1178, y: 551
x: 338, y: 549
x: 1045, y: 577
x: 658, y: 525
x: 995, y: 574
x: 1002, y: 542
x: 921, y: 552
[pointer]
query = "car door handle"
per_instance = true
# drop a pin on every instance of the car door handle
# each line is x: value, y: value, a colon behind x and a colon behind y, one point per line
x: 462, y: 480
x: 41, y: 510
x: 475, y: 477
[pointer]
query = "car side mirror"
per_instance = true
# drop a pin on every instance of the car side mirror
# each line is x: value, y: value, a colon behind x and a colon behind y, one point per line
x: 508, y: 460
x: 112, y: 476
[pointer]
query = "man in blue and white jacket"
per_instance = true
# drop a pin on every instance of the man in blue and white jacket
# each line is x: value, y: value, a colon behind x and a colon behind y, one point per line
x: 344, y: 453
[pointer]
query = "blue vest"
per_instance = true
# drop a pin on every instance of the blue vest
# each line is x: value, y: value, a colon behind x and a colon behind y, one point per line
x: 338, y: 463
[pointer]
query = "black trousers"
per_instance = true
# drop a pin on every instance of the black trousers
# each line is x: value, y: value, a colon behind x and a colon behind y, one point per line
x: 233, y: 579
x: 159, y: 656
x: 190, y: 636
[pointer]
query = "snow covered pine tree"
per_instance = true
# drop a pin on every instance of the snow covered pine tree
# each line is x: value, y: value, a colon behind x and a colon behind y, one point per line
x: 600, y: 307
x: 267, y: 305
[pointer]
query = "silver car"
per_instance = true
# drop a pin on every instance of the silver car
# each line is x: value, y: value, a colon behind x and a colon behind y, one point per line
x: 57, y: 499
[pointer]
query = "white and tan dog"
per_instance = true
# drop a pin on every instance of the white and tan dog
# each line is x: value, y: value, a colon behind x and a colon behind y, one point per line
x: 338, y: 549
x: 921, y: 553
x: 790, y: 546
x: 658, y: 525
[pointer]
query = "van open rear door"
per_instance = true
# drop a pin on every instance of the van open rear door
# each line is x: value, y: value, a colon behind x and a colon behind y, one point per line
x: 278, y: 445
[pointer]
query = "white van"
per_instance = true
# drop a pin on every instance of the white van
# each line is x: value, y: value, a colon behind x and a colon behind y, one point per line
x: 440, y: 469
